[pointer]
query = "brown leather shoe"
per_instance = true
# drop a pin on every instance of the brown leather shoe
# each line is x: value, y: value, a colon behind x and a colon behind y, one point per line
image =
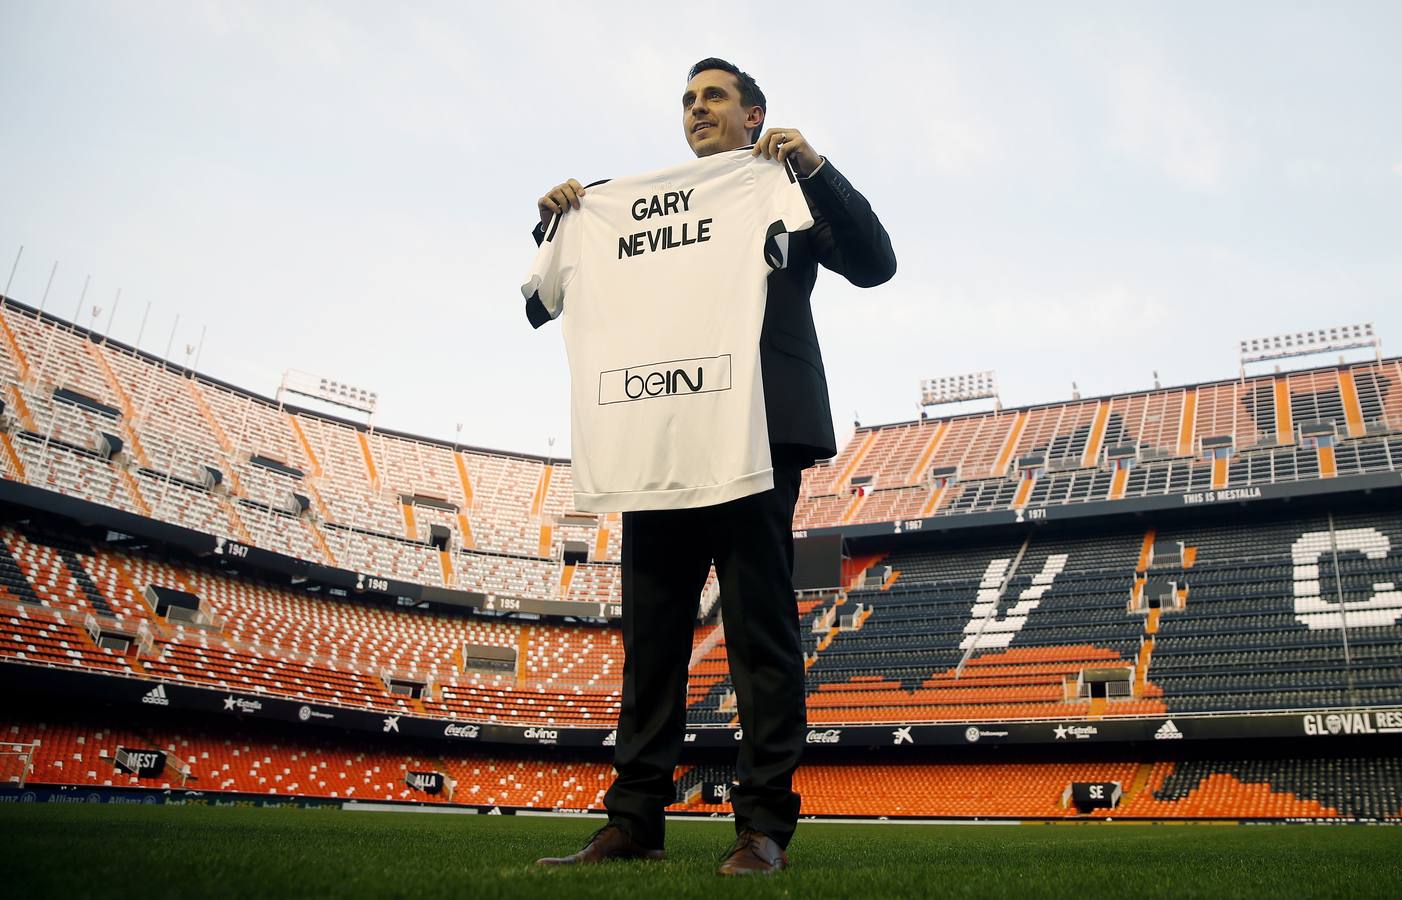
x: 608, y: 843
x: 753, y: 853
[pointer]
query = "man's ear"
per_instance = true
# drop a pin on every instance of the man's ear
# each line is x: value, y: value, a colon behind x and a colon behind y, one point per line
x: 755, y: 118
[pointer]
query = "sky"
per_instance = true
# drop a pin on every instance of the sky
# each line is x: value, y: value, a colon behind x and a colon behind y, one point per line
x: 1076, y: 192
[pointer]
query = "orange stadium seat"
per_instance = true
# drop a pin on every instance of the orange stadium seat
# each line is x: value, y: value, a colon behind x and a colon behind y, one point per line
x: 225, y: 757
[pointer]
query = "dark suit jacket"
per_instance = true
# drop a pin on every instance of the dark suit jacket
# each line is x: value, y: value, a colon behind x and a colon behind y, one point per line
x: 847, y: 238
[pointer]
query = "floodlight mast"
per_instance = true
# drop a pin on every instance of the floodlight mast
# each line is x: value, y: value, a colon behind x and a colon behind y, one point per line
x: 959, y: 388
x: 1308, y: 343
x: 328, y: 390
x: 5, y: 297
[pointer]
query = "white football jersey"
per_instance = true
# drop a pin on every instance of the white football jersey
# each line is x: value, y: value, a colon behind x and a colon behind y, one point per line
x: 662, y: 278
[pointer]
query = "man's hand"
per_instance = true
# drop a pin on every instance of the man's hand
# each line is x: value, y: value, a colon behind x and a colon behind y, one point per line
x: 558, y: 199
x: 790, y: 144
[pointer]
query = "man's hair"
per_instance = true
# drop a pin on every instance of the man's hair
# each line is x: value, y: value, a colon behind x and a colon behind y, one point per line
x: 750, y: 94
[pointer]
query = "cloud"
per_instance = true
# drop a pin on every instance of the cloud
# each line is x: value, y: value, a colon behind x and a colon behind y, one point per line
x: 1311, y: 173
x: 1397, y: 168
x: 1157, y: 121
x: 955, y: 147
x: 942, y: 121
x: 302, y: 34
x: 1028, y: 317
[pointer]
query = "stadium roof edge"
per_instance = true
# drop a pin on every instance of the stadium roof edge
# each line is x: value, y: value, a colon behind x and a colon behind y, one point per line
x: 301, y: 410
x: 1122, y: 394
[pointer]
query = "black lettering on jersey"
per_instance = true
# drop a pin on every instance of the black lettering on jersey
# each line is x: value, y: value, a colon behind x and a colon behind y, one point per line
x: 668, y: 237
x: 662, y: 204
x: 658, y: 383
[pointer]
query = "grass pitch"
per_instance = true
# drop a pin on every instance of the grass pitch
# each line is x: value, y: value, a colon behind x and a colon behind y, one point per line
x: 157, y: 851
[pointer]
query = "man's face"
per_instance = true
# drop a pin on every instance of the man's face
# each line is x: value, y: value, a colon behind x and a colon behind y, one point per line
x: 712, y: 116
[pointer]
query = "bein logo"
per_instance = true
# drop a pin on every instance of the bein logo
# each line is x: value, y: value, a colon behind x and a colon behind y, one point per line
x: 702, y: 375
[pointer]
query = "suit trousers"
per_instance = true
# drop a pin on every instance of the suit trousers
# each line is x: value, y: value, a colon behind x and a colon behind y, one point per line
x: 666, y: 557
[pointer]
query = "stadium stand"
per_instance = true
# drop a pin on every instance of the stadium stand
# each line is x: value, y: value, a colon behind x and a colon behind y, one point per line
x: 387, y: 488
x: 933, y: 644
x: 370, y: 495
x: 1274, y: 788
x: 243, y: 759
x: 1269, y: 609
x: 1259, y: 418
x: 1250, y: 638
x: 263, y: 639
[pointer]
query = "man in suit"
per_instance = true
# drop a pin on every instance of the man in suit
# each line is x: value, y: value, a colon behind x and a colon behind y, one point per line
x: 667, y: 553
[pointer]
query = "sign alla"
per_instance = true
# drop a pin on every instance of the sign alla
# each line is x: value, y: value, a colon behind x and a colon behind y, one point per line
x: 428, y: 782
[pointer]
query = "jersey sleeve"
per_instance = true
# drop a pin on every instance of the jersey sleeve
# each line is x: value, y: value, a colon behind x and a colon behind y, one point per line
x: 554, y: 266
x: 787, y: 210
